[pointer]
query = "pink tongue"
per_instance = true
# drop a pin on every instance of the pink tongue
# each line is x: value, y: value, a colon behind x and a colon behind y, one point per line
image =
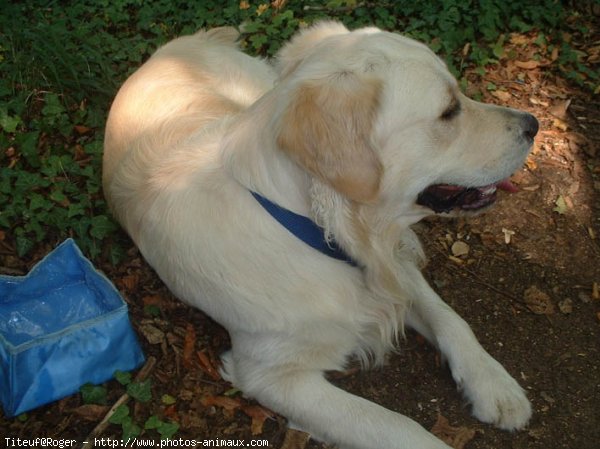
x: 507, y: 186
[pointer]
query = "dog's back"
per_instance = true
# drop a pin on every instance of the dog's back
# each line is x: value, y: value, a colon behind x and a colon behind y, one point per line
x: 188, y: 85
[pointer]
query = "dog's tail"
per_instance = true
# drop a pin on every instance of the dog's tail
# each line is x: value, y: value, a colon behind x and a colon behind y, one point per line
x: 221, y: 35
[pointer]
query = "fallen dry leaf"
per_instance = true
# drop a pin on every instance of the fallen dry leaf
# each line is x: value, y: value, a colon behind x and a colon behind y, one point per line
x: 261, y: 9
x: 537, y: 102
x: 295, y: 439
x: 171, y: 412
x: 558, y: 123
x: 596, y: 290
x: 554, y: 54
x: 192, y: 422
x: 229, y: 405
x: 566, y: 306
x: 457, y: 437
x: 152, y: 333
x: 152, y: 300
x: 278, y: 4
x: 531, y: 164
x: 538, y: 302
x: 527, y: 65
x: 519, y: 39
x: 91, y: 412
x: 81, y: 129
x: 502, y: 95
x: 258, y: 415
x: 559, y: 109
x: 189, y: 342
x: 466, y: 49
x: 594, y: 52
x: 185, y: 394
x: 460, y: 248
x: 208, y: 366
x: 129, y: 282
x: 456, y: 260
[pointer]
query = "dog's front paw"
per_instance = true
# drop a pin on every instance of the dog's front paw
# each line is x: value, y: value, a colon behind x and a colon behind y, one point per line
x: 496, y: 397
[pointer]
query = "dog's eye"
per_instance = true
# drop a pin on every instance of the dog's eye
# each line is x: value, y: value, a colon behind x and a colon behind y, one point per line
x: 451, y: 111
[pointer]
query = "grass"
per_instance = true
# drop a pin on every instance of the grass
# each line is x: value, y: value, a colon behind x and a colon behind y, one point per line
x: 62, y: 63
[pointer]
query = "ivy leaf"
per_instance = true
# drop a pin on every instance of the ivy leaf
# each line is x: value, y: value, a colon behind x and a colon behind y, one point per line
x: 140, y: 391
x: 167, y: 430
x: 153, y: 423
x: 29, y: 181
x: 258, y: 41
x: 93, y: 394
x: 53, y: 107
x: 37, y: 202
x: 120, y: 415
x: 130, y: 429
x: 123, y: 377
x: 9, y: 123
x: 24, y: 244
x: 101, y: 227
x: 27, y: 143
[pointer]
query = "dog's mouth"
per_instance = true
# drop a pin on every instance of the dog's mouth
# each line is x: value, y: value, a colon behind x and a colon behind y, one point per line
x: 444, y: 198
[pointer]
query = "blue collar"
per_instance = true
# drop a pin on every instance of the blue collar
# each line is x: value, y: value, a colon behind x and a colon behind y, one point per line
x: 305, y: 229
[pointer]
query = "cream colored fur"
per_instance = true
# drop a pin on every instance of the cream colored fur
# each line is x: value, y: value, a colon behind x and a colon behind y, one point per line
x: 346, y: 130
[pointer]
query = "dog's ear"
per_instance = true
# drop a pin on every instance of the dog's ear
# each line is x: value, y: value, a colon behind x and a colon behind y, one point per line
x: 327, y: 129
x: 294, y: 52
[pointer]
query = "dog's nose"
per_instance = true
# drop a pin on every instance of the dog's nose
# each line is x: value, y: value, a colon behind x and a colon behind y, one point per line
x: 530, y: 126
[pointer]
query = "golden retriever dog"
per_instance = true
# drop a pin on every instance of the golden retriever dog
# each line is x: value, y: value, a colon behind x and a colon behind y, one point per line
x: 279, y: 200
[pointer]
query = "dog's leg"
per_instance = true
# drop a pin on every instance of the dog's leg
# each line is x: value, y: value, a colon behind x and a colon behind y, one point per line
x: 496, y: 397
x: 307, y: 399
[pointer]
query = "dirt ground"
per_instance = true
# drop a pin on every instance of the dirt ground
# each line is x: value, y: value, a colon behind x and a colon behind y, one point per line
x: 526, y: 277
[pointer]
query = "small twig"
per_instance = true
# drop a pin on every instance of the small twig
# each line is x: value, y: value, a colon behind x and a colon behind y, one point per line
x: 486, y: 284
x: 102, y: 425
x: 479, y: 280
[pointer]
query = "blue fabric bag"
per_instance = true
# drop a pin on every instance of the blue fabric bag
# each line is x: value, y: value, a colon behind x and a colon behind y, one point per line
x: 61, y: 326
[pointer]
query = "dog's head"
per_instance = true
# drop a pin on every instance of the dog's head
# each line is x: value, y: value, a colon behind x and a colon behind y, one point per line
x: 379, y: 118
